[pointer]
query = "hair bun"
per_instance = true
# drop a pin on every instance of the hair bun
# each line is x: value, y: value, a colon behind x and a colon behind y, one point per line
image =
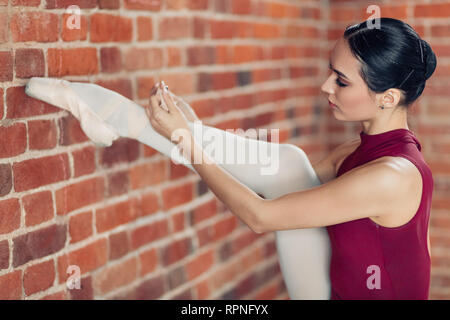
x: 429, y: 59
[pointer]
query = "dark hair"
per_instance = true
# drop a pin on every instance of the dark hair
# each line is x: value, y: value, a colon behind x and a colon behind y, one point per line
x: 392, y: 56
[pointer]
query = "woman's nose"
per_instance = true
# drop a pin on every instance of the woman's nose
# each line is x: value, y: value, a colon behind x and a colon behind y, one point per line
x: 327, y: 87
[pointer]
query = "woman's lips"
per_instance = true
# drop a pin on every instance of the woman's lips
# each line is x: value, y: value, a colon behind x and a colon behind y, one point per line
x: 332, y: 104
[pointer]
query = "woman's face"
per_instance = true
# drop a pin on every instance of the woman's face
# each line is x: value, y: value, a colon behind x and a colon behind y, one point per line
x: 346, y: 89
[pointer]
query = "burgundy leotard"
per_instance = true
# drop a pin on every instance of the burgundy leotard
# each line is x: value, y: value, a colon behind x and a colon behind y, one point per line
x: 370, y: 261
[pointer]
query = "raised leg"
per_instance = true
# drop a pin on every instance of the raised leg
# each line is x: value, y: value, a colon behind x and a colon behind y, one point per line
x: 284, y: 168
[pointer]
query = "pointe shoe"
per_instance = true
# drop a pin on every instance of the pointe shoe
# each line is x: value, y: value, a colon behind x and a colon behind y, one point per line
x: 59, y: 93
x: 104, y: 115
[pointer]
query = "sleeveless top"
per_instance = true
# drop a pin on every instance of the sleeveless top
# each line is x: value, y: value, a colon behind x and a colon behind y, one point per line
x: 370, y: 261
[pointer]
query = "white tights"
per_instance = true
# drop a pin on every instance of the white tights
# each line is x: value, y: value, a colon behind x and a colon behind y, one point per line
x: 105, y: 115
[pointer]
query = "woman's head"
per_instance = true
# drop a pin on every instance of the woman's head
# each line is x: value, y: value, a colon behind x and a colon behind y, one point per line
x: 385, y: 66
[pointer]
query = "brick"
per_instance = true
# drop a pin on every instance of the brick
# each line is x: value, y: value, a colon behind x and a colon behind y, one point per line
x: 109, y: 4
x: 34, y: 26
x: 121, y: 86
x: 204, y: 82
x: 176, y: 251
x: 4, y: 30
x: 145, y: 84
x: 200, y: 55
x: 33, y: 173
x: 143, y: 59
x: 224, y: 80
x: 122, y: 150
x: 218, y: 231
x: 79, y: 195
x: 39, y: 277
x: 145, y: 29
x: 203, y: 290
x: 6, y: 66
x: 174, y: 28
x: 29, y: 63
x: 241, y: 7
x: 38, y: 244
x: 173, y: 57
x: 41, y: 134
x: 221, y: 6
x: 149, y: 204
x: 118, y: 183
x: 11, y: 286
x: 149, y: 233
x: 86, y: 291
x: 175, y: 196
x: 440, y: 31
x: 143, y: 5
x: 150, y: 290
x: 80, y: 226
x: 273, y: 31
x: 55, y: 4
x: 204, y: 108
x: 13, y: 140
x: 4, y: 254
x: 176, y: 277
x: 432, y: 10
x: 38, y: 208
x: 178, y: 222
x: 26, y: 3
x: 84, y: 161
x: 110, y: 59
x: 70, y: 131
x: 110, y: 28
x: 244, y: 53
x: 20, y: 105
x: 197, y: 5
x: 175, y: 4
x: 119, y: 245
x: 223, y: 29
x: 203, y: 212
x: 74, y: 27
x: 2, y: 109
x: 10, y: 210
x: 148, y: 261
x: 87, y: 258
x: 117, y: 214
x: 148, y: 174
x: 116, y: 276
x: 75, y: 61
x: 200, y: 26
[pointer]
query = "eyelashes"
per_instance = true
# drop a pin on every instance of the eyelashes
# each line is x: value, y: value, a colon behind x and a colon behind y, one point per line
x: 339, y: 83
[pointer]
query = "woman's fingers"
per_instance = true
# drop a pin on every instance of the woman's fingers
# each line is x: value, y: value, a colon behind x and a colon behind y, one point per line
x: 169, y: 101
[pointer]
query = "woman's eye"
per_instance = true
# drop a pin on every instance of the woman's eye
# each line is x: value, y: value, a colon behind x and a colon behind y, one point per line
x: 339, y: 83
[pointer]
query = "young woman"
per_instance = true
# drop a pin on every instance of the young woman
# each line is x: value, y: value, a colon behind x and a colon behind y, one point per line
x: 389, y: 66
x: 376, y: 194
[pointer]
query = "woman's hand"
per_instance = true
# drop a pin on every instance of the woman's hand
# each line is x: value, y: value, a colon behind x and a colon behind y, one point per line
x: 166, y: 122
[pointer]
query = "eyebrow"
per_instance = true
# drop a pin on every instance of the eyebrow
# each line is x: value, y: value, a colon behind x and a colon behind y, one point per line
x: 338, y: 72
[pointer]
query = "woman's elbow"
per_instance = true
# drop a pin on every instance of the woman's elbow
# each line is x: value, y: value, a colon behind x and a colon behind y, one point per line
x: 258, y: 222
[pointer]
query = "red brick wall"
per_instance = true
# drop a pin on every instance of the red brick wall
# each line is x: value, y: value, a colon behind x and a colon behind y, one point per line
x: 137, y: 225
